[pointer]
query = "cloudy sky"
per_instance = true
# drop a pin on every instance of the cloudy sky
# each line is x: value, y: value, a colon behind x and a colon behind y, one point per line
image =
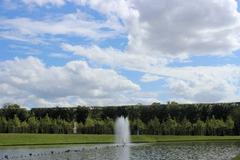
x: 105, y: 52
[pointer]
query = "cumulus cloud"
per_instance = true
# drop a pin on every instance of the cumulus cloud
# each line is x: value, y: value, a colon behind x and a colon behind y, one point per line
x: 203, y: 84
x: 191, y: 84
x: 173, y: 28
x: 114, y: 57
x: 29, y: 81
x: 180, y: 29
x: 157, y: 34
x: 202, y: 27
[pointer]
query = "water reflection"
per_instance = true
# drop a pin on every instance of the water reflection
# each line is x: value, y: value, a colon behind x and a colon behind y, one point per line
x: 123, y: 152
x: 167, y: 151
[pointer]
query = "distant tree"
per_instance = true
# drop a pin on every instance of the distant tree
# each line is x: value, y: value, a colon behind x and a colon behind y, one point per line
x: 108, y: 126
x: 89, y: 125
x: 229, y: 125
x: 55, y: 127
x: 10, y: 126
x: 170, y: 126
x: 137, y: 126
x: 3, y: 125
x: 10, y: 110
x: 33, y: 124
x: 81, y: 114
x: 68, y: 127
x: 45, y: 124
x: 185, y: 127
x: 220, y: 127
x: 80, y: 127
x: 154, y: 126
x: 99, y: 126
x: 17, y: 124
x: 235, y: 114
x: 167, y: 119
x: 212, y: 126
x: 24, y: 127
x: 11, y: 106
x: 199, y: 128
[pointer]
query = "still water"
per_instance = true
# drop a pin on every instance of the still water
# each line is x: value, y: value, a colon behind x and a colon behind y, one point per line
x: 160, y: 151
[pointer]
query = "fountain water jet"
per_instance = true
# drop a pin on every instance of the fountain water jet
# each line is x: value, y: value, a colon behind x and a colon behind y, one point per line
x: 122, y: 133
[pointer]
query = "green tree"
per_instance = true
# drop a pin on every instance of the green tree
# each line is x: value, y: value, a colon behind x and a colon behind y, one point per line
x: 199, y: 127
x: 220, y: 127
x: 185, y: 127
x: 3, y: 125
x: 68, y: 127
x: 99, y: 126
x: 10, y: 126
x: 17, y: 124
x: 108, y: 126
x: 229, y: 125
x: 211, y: 126
x: 89, y: 125
x: 80, y: 127
x: 33, y: 124
x: 170, y: 126
x: 55, y: 127
x: 137, y: 126
x: 81, y: 114
x: 45, y: 124
x: 24, y: 127
x: 154, y: 126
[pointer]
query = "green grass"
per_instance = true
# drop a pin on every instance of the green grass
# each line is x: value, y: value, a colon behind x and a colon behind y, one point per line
x: 55, y: 139
x: 236, y: 158
x: 48, y: 139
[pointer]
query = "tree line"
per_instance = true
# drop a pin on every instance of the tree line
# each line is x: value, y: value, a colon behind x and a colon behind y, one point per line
x: 156, y: 119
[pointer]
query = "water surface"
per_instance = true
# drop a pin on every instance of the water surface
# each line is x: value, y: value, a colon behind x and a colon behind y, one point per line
x: 160, y: 151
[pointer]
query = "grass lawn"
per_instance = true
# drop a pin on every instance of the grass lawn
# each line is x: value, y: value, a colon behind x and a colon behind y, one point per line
x: 52, y: 139
x: 236, y: 158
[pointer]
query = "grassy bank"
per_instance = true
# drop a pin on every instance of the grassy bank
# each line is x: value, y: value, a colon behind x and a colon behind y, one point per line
x: 236, y: 158
x: 54, y: 139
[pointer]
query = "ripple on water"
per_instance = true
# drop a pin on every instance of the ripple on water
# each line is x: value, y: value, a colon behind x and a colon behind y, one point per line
x: 161, y: 151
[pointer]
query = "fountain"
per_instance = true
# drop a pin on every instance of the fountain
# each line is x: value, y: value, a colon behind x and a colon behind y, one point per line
x: 122, y: 133
x: 75, y: 127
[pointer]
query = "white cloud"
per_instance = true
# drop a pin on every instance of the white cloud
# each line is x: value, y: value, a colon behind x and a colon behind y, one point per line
x: 44, y: 2
x: 149, y: 77
x: 203, y: 84
x: 158, y: 32
x: 29, y: 82
x: 175, y: 28
x: 178, y: 29
x: 192, y: 84
x: 75, y: 24
x: 202, y: 27
x: 115, y: 58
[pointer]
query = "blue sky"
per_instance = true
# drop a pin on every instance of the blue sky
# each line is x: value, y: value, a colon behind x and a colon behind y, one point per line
x: 69, y: 52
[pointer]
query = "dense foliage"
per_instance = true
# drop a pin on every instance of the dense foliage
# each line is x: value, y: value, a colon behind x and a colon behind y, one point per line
x: 157, y: 119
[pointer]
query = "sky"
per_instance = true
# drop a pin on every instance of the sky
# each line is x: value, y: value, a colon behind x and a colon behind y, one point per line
x: 119, y: 52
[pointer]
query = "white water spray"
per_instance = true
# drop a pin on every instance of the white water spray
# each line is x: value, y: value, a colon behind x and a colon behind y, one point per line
x: 122, y: 133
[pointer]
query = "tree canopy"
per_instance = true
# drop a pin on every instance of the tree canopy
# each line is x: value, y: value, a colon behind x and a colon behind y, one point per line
x: 164, y: 119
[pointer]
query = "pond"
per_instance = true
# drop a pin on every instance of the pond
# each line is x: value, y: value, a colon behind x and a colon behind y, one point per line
x: 158, y: 151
